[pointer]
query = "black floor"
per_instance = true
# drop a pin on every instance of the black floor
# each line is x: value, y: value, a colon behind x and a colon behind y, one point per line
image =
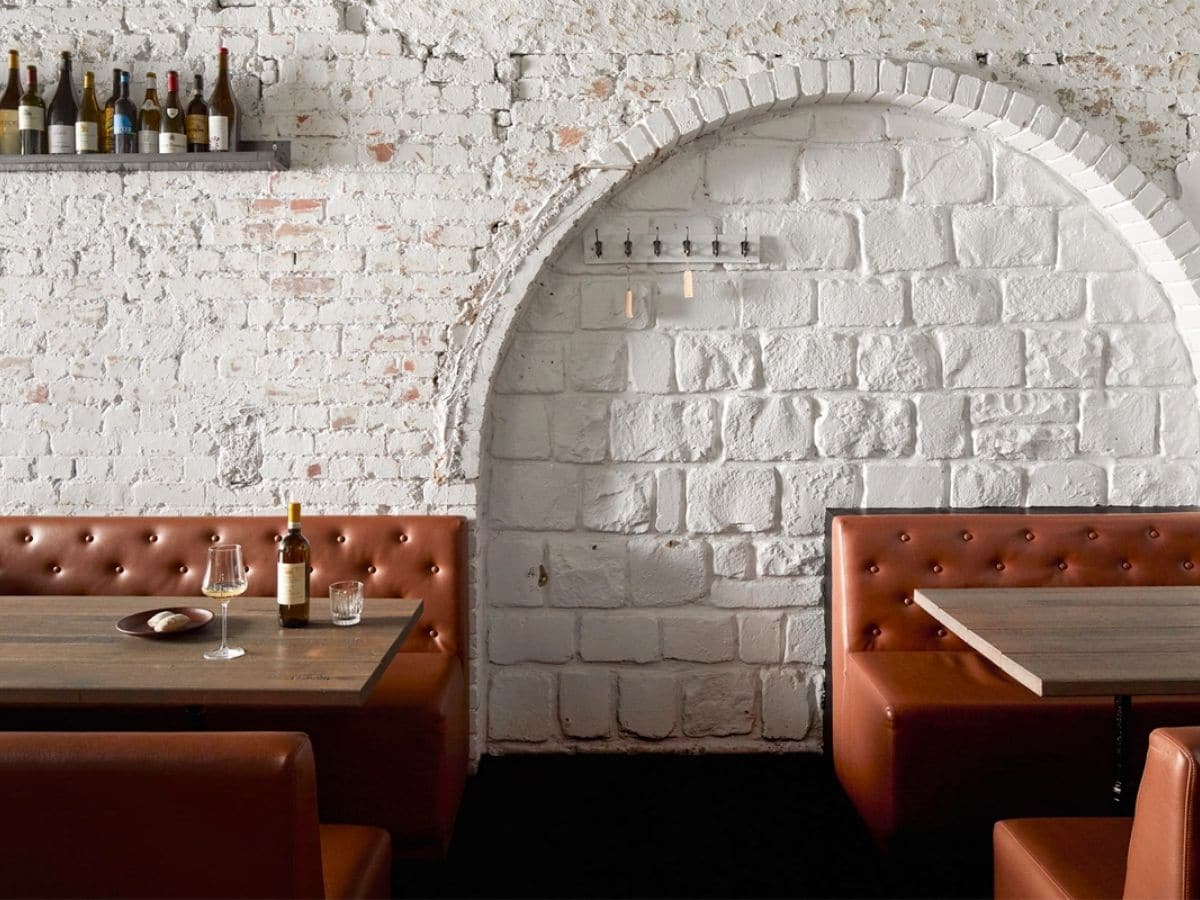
x: 654, y: 826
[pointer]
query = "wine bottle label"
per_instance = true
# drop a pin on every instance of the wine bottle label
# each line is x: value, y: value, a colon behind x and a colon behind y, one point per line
x: 172, y: 112
x: 10, y: 132
x: 62, y: 138
x: 147, y: 142
x: 171, y: 142
x: 122, y: 124
x: 218, y: 133
x: 31, y: 118
x: 197, y: 129
x: 87, y: 137
x: 289, y: 581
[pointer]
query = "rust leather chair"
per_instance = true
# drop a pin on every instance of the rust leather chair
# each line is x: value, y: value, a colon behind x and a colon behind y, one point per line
x: 1156, y: 854
x: 175, y: 815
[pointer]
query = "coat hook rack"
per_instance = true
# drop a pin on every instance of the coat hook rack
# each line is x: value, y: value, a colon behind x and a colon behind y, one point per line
x: 678, y: 249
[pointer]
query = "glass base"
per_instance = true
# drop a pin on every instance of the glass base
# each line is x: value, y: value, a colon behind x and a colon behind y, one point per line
x: 352, y: 621
x: 225, y: 653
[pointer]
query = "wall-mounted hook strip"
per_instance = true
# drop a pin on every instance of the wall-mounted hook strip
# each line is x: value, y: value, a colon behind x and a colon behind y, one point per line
x: 679, y: 249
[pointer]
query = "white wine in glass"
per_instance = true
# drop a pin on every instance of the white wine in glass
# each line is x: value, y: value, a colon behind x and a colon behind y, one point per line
x: 224, y: 579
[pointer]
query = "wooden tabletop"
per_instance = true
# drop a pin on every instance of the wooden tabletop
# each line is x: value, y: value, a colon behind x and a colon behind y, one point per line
x: 1087, y: 641
x: 67, y: 650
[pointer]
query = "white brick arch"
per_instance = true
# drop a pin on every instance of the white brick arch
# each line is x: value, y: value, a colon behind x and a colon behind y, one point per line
x: 1166, y: 242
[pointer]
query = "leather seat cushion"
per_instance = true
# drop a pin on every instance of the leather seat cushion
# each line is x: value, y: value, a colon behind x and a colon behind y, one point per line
x: 1058, y: 858
x: 399, y: 762
x: 356, y: 861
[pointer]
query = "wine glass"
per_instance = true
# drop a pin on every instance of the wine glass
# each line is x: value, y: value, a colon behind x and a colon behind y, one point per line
x: 224, y: 579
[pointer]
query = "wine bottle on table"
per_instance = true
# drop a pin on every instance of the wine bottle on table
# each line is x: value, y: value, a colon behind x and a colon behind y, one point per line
x: 222, y: 110
x: 107, y: 142
x: 10, y: 129
x: 197, y: 120
x: 172, y: 137
x: 150, y: 118
x: 63, y: 112
x: 125, y: 121
x: 291, y: 577
x: 90, y: 120
x: 31, y: 116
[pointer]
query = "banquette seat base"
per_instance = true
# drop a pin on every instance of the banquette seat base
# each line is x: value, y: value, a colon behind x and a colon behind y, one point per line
x: 1062, y: 857
x: 399, y: 762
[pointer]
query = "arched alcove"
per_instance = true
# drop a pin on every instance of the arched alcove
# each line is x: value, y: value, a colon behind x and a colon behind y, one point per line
x: 1113, y: 192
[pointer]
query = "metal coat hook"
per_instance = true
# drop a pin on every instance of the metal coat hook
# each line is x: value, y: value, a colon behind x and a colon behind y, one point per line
x: 657, y: 243
x: 628, y: 243
x: 687, y: 242
x: 599, y: 245
x: 746, y: 243
x: 716, y: 244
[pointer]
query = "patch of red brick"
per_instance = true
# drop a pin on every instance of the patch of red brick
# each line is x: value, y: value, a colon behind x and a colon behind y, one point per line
x: 411, y: 394
x: 306, y: 205
x: 38, y: 394
x: 314, y: 470
x: 410, y: 366
x: 266, y: 204
x: 569, y: 136
x: 342, y: 422
x: 382, y: 152
x: 301, y: 285
x: 289, y: 230
x: 600, y: 89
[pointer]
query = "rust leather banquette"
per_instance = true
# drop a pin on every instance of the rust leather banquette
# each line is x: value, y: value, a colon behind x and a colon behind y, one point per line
x: 929, y: 739
x: 399, y: 762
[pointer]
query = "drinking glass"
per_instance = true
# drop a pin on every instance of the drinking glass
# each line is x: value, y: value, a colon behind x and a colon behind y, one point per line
x: 224, y: 579
x: 346, y: 602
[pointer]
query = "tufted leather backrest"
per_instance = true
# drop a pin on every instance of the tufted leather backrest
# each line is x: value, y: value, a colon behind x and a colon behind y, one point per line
x: 394, y: 556
x: 878, y: 560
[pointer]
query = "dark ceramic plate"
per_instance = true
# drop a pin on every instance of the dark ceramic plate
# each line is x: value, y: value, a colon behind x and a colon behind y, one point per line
x: 136, y: 623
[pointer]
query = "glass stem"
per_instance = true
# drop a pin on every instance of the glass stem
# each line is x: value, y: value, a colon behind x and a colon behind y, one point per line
x: 224, y: 622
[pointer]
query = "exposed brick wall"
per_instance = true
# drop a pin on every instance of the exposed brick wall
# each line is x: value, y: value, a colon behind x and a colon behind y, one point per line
x: 937, y: 319
x: 214, y: 342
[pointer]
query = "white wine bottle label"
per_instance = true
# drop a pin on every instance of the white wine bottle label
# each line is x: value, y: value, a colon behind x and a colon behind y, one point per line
x: 218, y: 133
x: 147, y: 142
x: 122, y: 124
x: 170, y: 142
x: 62, y: 138
x: 31, y: 118
x: 87, y: 137
x: 10, y: 132
x: 289, y: 581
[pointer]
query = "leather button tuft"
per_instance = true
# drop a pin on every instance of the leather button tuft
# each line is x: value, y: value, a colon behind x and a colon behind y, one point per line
x: 433, y: 632
x: 341, y: 539
x: 153, y: 539
x: 872, y: 568
x: 999, y: 567
x: 907, y: 601
x: 56, y: 569
x: 118, y: 569
x: 1092, y: 535
x: 967, y: 536
x: 905, y: 537
x: 941, y: 632
x: 937, y: 567
x: 278, y: 539
x: 87, y: 538
x: 183, y: 570
x: 1127, y: 565
x: 28, y: 538
x: 404, y: 538
x: 1029, y: 535
x: 1188, y: 564
x: 214, y: 538
x: 1062, y: 565
x: 1153, y: 532
x: 434, y: 569
x: 371, y: 570
x: 876, y: 631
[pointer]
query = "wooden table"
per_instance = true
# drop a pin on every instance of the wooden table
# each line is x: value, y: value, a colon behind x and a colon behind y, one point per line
x: 67, y: 650
x: 1083, y: 642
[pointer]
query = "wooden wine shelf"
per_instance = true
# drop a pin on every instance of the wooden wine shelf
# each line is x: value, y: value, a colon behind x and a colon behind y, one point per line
x: 254, y: 156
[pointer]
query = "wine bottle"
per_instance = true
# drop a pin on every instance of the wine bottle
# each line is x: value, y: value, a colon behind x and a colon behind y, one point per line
x: 89, y: 121
x: 197, y: 120
x: 110, y: 105
x: 291, y: 576
x: 31, y: 117
x: 64, y: 110
x: 125, y: 121
x: 222, y: 110
x: 172, y: 138
x: 150, y: 118
x: 10, y: 129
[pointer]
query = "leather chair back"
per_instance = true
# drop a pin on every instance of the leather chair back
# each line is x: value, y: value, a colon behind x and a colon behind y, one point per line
x: 158, y: 815
x: 1164, y: 853
x: 394, y: 556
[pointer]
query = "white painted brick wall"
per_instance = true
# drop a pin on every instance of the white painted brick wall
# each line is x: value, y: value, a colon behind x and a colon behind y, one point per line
x: 920, y: 335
